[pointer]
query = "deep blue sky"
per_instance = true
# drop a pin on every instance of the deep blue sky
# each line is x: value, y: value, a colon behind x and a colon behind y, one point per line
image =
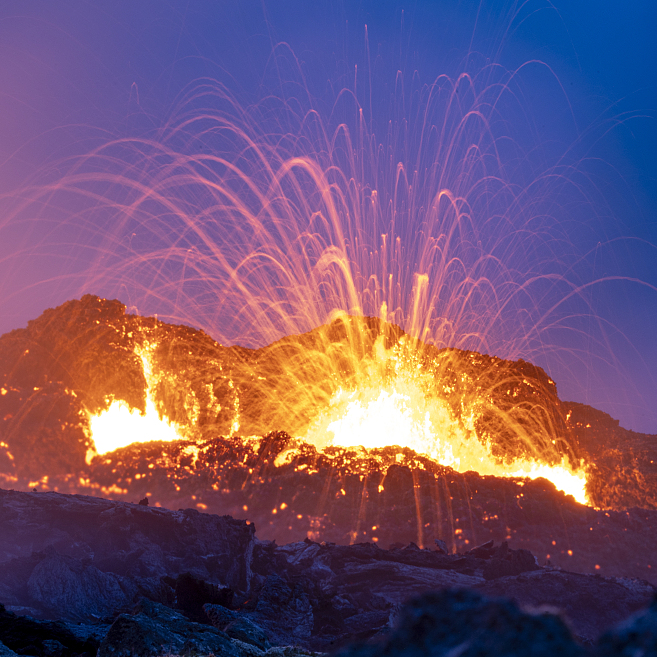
x: 78, y: 72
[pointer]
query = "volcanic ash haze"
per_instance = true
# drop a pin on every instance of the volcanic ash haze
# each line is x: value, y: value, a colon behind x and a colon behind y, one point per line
x: 463, y: 452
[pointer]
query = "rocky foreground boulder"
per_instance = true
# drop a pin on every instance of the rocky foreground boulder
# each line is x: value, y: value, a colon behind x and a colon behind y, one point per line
x: 84, y: 576
x: 464, y: 623
x: 83, y: 558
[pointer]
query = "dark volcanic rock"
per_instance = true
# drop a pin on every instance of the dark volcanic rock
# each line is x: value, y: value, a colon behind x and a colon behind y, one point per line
x: 91, y: 557
x: 28, y: 636
x: 219, y: 616
x: 591, y: 604
x: 62, y: 584
x: 193, y: 593
x: 284, y: 609
x: 366, y: 623
x: 636, y: 637
x: 247, y: 631
x: 154, y: 629
x: 464, y: 623
x: 305, y: 594
x: 504, y: 562
x: 361, y: 579
x: 6, y: 652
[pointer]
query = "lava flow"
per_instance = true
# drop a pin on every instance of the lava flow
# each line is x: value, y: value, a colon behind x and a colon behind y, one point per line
x: 399, y: 412
x: 120, y: 425
x: 392, y: 397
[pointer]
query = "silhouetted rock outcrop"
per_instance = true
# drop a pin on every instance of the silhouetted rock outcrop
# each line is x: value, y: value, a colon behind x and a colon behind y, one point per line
x: 635, y: 636
x: 62, y: 582
x: 88, y: 560
x: 6, y: 652
x: 466, y: 624
x: 153, y: 629
x: 27, y: 636
x: 110, y: 552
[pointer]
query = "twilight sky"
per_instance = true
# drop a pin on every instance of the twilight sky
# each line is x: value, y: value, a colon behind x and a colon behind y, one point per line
x: 77, y: 74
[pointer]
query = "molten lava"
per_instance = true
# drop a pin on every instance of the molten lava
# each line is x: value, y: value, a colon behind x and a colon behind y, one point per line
x: 120, y: 425
x: 392, y: 400
x: 384, y: 418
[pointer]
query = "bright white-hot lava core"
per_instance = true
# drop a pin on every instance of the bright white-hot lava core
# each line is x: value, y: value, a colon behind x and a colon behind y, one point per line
x: 381, y: 418
x: 120, y: 425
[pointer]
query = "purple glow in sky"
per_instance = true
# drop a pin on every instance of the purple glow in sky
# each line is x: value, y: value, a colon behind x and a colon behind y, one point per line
x: 579, y: 117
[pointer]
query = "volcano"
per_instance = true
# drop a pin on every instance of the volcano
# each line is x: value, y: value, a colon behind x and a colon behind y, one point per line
x: 104, y: 403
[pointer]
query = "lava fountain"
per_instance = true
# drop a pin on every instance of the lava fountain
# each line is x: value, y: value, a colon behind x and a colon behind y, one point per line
x: 376, y: 268
x: 120, y: 424
x: 394, y: 397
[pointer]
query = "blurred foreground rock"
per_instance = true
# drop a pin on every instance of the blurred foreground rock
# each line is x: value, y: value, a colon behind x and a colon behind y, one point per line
x: 464, y: 623
x: 143, y: 581
x: 27, y: 636
x: 153, y: 629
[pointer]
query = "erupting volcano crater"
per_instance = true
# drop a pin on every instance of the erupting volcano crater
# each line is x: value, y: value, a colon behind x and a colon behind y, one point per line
x: 352, y: 432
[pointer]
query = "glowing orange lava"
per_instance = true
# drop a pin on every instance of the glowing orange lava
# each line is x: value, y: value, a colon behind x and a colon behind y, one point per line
x: 395, y: 401
x: 363, y: 419
x: 400, y: 413
x: 120, y: 425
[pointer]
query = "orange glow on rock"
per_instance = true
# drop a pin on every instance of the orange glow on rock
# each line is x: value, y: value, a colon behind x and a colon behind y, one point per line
x: 120, y: 425
x: 390, y: 418
x: 392, y: 397
x: 398, y: 408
